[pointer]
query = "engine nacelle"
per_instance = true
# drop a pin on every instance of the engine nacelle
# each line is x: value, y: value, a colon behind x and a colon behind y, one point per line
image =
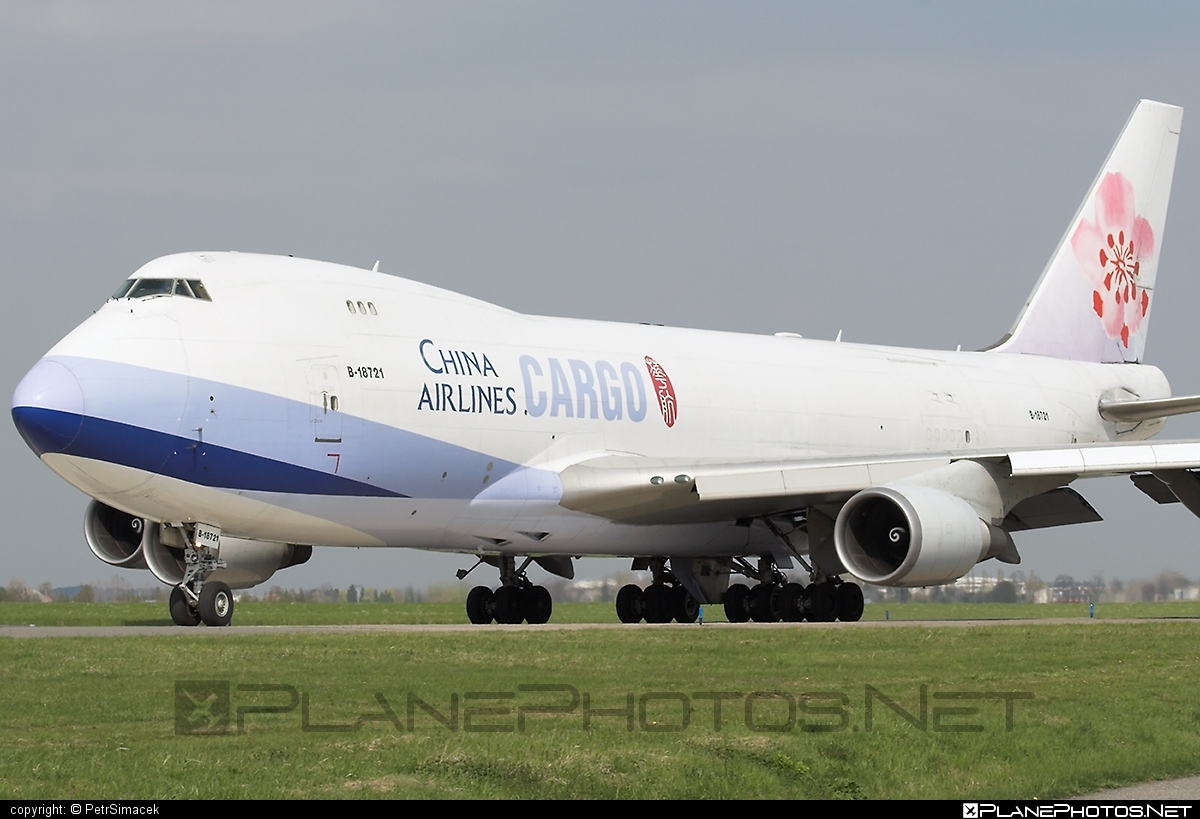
x: 114, y: 536
x: 249, y: 562
x: 121, y: 539
x: 913, y: 536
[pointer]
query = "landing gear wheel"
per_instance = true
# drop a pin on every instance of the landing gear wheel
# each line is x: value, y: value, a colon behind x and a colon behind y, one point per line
x: 764, y: 603
x: 686, y: 607
x: 630, y: 604
x: 509, y: 605
x: 791, y: 602
x: 822, y: 603
x: 657, y: 604
x: 737, y: 599
x: 849, y: 602
x: 538, y: 605
x: 480, y: 604
x: 182, y: 612
x: 216, y: 604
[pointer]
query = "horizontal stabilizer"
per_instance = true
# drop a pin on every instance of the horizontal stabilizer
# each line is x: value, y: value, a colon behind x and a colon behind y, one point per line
x: 1139, y: 410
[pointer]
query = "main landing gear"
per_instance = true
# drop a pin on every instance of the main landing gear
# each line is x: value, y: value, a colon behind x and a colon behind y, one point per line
x: 826, y: 598
x: 662, y: 601
x: 515, y: 601
x: 196, y: 599
x: 770, y: 602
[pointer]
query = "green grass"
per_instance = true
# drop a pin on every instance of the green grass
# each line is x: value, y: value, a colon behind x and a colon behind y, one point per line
x: 1029, y: 611
x: 254, y: 613
x: 1113, y: 703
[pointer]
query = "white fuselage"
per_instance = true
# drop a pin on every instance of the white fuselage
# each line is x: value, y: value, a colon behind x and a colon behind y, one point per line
x: 313, y: 403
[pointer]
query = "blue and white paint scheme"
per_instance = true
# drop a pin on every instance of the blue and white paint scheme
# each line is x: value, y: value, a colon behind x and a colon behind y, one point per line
x: 284, y: 403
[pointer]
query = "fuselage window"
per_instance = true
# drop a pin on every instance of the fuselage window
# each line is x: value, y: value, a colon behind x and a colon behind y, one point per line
x: 350, y: 305
x: 362, y: 309
x: 371, y: 307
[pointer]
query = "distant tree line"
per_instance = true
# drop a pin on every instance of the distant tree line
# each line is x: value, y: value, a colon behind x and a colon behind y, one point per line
x: 1017, y: 588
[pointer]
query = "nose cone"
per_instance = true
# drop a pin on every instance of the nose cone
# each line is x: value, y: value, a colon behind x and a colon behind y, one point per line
x: 47, y: 407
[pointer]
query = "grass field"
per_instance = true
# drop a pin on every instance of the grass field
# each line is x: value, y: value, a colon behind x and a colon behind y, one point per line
x: 1093, y: 705
x: 255, y: 613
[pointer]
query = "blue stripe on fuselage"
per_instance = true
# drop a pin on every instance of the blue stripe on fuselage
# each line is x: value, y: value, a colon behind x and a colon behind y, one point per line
x: 261, y: 427
x: 175, y: 457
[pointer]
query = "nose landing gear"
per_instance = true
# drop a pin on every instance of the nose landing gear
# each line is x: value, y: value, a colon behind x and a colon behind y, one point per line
x: 197, y: 599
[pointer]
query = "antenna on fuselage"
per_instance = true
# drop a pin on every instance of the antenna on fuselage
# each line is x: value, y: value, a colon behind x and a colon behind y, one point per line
x: 375, y: 269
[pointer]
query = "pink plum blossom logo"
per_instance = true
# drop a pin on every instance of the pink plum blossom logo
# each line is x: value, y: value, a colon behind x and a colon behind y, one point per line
x: 1111, y: 251
x: 664, y: 390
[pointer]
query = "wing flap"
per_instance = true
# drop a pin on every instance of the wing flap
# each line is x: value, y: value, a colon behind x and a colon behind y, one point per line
x: 1153, y: 488
x: 1093, y: 460
x: 1058, y: 507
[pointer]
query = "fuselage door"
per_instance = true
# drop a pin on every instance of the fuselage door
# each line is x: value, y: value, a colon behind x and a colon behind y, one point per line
x: 325, y: 409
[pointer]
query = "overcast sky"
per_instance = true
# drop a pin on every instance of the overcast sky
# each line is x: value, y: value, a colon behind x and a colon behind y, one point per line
x: 897, y: 171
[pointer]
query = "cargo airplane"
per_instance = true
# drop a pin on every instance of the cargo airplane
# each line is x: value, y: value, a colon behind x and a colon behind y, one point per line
x: 226, y: 412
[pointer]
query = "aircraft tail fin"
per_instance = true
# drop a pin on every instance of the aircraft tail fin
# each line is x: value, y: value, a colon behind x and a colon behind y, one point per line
x: 1094, y: 298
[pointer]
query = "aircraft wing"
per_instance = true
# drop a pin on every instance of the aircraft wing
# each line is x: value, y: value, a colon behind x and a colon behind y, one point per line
x: 636, y: 489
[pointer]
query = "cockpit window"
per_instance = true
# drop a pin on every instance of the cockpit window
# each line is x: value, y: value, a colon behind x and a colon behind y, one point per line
x: 151, y: 287
x: 145, y: 288
x: 199, y: 289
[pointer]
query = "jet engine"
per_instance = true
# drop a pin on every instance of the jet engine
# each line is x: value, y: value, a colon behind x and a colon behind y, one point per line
x: 913, y: 536
x: 114, y: 536
x: 120, y: 539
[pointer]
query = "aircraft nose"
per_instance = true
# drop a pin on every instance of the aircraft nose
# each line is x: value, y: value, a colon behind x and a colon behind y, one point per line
x: 47, y: 407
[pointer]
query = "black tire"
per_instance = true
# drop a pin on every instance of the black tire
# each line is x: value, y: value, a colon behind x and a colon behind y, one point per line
x: 630, y: 604
x: 849, y: 602
x: 791, y: 603
x: 687, y: 609
x: 480, y: 605
x: 822, y: 603
x: 216, y: 604
x: 182, y: 612
x: 538, y: 605
x: 764, y: 603
x: 737, y: 603
x: 657, y: 606
x: 509, y: 608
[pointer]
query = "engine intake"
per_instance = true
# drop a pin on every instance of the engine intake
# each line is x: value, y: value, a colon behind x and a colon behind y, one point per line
x: 913, y: 536
x: 114, y: 536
